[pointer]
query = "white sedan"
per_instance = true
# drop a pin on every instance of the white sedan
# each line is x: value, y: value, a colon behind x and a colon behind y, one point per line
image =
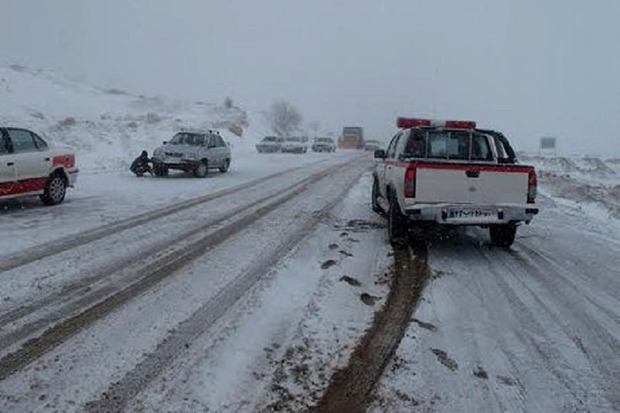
x: 29, y: 167
x: 295, y: 144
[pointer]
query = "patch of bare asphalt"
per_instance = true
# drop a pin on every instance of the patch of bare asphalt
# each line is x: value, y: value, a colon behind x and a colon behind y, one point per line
x: 426, y: 326
x: 351, y: 388
x: 328, y: 264
x: 350, y: 280
x: 507, y: 381
x: 333, y: 246
x: 369, y: 299
x: 383, y: 279
x: 481, y: 373
x: 444, y: 359
x: 363, y: 225
x: 295, y: 369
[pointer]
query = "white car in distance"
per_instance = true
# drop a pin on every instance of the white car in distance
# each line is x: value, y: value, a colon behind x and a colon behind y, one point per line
x: 295, y: 144
x: 323, y: 145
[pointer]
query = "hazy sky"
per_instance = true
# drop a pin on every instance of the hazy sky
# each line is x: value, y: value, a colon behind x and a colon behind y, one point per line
x: 527, y: 67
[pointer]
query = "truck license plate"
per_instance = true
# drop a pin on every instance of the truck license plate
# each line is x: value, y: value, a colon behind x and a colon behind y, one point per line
x: 465, y: 213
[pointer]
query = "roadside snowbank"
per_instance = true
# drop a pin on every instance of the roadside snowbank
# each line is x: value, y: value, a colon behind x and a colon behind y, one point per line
x: 589, y: 182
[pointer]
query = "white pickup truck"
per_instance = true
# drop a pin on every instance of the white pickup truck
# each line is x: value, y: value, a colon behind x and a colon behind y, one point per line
x: 451, y: 173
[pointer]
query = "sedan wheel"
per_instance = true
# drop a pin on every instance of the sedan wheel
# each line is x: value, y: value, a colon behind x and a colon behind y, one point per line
x: 225, y: 166
x: 201, y: 170
x: 55, y: 190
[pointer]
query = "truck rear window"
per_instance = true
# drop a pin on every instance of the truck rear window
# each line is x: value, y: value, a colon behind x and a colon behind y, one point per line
x: 449, y: 145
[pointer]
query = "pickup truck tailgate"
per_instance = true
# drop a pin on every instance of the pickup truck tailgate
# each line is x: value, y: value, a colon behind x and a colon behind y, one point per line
x: 471, y: 184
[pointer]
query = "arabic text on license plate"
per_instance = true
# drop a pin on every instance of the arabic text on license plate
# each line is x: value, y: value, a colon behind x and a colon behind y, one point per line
x: 458, y: 213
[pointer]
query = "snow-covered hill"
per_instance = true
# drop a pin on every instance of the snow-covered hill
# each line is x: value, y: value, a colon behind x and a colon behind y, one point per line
x: 107, y: 127
x: 590, y: 182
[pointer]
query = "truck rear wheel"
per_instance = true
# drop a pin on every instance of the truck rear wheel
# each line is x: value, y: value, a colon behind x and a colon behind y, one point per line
x: 374, y: 198
x: 398, y: 225
x: 503, y: 235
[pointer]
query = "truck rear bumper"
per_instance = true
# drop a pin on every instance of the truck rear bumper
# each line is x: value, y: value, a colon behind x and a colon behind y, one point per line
x: 468, y: 214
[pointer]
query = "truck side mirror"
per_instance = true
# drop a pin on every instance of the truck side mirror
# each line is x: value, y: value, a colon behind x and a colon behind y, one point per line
x: 380, y: 154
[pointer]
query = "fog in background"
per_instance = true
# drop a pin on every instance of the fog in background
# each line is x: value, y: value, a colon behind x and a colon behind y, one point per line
x: 529, y: 68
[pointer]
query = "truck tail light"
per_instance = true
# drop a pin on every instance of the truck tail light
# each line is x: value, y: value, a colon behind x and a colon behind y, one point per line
x: 532, y: 184
x: 410, y: 182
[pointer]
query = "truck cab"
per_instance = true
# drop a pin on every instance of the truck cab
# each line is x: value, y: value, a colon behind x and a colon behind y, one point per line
x: 452, y: 173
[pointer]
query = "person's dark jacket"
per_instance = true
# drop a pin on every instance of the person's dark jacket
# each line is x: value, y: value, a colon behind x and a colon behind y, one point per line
x: 141, y: 163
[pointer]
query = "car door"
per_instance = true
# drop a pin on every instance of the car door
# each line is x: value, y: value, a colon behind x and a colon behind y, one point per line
x: 7, y: 164
x: 385, y: 166
x: 212, y: 151
x: 30, y: 161
x: 223, y: 150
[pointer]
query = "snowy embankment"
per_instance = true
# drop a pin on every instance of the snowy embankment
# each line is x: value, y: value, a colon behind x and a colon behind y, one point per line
x: 589, y: 183
x: 107, y: 127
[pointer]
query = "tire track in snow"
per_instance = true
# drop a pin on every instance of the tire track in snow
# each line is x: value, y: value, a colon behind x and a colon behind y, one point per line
x: 36, y: 253
x: 120, y: 393
x: 155, y: 272
x: 577, y: 323
x: 84, y: 291
x: 539, y: 327
x: 351, y: 388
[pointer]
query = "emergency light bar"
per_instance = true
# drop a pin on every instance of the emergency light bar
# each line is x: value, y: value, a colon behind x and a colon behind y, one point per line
x: 407, y: 123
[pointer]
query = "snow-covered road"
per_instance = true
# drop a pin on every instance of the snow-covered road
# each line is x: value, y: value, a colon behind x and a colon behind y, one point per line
x: 248, y: 291
x: 107, y: 321
x: 533, y: 329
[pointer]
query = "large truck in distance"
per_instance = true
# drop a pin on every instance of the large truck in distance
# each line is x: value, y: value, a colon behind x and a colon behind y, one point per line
x: 352, y: 138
